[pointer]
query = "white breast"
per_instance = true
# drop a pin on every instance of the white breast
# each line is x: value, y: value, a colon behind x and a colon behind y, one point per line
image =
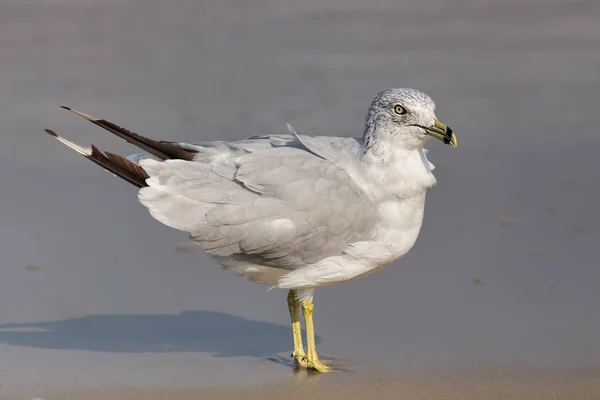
x: 398, y: 190
x: 400, y: 223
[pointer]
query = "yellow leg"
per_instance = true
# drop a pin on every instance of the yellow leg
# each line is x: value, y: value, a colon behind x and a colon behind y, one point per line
x: 298, y: 354
x: 312, y: 359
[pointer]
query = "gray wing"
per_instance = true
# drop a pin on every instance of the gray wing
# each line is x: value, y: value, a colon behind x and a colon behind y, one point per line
x: 213, y: 150
x: 335, y: 149
x: 282, y: 200
x: 282, y: 207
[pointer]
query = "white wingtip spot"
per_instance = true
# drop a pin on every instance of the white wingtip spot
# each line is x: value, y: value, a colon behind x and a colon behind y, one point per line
x: 84, y: 150
x: 82, y: 115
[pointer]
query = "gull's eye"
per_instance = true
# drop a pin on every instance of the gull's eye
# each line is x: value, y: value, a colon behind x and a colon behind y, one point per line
x: 399, y: 109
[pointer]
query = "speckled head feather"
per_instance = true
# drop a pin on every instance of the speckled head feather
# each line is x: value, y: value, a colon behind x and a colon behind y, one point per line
x: 383, y: 120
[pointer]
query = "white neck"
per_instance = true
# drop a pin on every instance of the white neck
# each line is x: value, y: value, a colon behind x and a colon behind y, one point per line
x: 396, y: 168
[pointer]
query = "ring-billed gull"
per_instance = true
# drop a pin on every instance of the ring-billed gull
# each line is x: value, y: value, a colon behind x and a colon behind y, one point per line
x: 293, y: 211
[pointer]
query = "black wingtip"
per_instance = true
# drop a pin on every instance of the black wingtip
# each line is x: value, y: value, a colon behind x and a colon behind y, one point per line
x: 66, y: 108
x: 51, y: 132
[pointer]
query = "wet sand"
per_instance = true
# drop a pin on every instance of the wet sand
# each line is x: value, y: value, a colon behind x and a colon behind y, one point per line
x: 582, y: 385
x: 98, y: 300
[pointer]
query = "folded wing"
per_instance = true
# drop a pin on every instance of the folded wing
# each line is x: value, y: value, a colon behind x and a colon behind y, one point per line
x: 281, y: 207
x: 279, y: 201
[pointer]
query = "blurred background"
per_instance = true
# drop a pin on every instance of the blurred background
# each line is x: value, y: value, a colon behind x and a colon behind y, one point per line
x: 506, y: 270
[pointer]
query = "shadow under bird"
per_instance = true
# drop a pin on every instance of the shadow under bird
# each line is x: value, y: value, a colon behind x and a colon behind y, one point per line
x: 292, y: 211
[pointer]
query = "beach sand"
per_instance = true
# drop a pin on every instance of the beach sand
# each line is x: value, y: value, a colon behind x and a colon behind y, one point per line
x: 100, y: 301
x: 582, y: 385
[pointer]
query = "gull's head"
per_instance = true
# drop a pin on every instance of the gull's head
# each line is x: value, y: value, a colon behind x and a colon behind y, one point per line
x: 405, y: 117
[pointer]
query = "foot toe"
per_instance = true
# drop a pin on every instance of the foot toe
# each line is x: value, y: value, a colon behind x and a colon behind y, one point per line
x: 300, y: 360
x: 318, y: 366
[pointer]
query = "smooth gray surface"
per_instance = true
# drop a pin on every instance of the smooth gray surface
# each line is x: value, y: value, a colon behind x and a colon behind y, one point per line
x: 506, y: 270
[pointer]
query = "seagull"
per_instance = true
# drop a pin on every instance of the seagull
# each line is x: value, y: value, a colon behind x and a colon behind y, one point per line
x: 291, y: 211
